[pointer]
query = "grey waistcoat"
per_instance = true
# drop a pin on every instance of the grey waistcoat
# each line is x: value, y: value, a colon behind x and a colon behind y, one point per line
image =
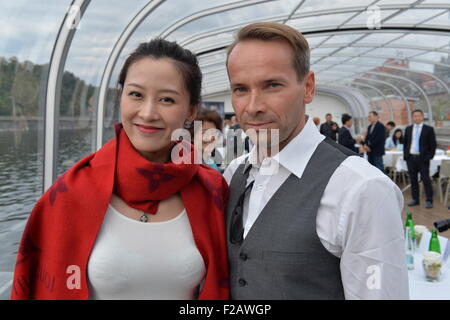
x: 282, y: 256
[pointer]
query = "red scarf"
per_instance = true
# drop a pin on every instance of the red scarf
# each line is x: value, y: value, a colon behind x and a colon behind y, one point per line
x: 63, y: 226
x: 134, y: 174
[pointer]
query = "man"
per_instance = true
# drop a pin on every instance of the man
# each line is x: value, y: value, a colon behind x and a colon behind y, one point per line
x: 374, y: 142
x: 390, y: 125
x: 345, y: 137
x: 418, y: 149
x: 329, y: 128
x: 313, y: 221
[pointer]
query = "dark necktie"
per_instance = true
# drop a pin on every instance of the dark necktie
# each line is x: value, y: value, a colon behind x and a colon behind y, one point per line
x: 237, y: 222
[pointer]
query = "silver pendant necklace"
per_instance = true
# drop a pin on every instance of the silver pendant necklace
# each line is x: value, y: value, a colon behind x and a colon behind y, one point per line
x: 143, y: 218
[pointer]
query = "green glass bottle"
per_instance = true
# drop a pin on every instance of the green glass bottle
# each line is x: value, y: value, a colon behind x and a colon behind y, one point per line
x: 434, y: 242
x: 408, y: 219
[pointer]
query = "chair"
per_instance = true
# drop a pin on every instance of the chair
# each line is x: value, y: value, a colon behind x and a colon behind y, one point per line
x: 444, y: 177
x: 395, y: 172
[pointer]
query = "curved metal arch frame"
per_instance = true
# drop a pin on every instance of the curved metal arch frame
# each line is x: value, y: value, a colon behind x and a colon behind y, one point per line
x: 112, y: 60
x: 388, y: 102
x: 430, y: 110
x: 398, y: 29
x: 352, y: 56
x: 430, y: 118
x: 293, y: 16
x: 356, y: 107
x: 405, y: 101
x: 52, y: 91
x: 441, y: 82
x: 207, y: 12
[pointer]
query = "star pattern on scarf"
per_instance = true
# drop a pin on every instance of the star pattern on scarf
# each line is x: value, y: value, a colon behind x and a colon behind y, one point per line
x: 155, y: 176
x: 216, y: 194
x: 28, y: 247
x: 58, y: 186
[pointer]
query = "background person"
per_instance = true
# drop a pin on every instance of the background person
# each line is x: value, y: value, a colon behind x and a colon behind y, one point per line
x: 345, y: 137
x: 390, y: 125
x: 374, y: 142
x: 211, y: 131
x: 419, y: 148
x: 329, y: 128
x: 395, y: 141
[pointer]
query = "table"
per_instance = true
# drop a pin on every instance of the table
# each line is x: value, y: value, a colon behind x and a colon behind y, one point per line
x: 400, y: 165
x: 389, y: 156
x: 419, y: 288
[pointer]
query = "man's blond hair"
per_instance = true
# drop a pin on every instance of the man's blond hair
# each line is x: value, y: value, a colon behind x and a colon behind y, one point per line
x: 269, y: 31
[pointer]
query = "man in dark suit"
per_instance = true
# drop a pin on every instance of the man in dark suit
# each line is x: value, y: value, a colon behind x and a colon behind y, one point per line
x: 329, y: 128
x: 345, y: 137
x: 374, y: 142
x: 419, y: 148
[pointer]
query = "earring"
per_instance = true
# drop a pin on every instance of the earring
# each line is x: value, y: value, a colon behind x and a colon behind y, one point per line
x: 188, y: 124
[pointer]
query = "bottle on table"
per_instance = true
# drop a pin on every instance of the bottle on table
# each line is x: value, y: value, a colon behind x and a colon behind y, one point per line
x: 409, y: 248
x: 434, y: 242
x: 409, y: 223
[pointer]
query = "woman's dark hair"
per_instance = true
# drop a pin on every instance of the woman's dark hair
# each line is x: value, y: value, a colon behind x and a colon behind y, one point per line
x: 210, y: 116
x: 394, y: 138
x: 185, y: 61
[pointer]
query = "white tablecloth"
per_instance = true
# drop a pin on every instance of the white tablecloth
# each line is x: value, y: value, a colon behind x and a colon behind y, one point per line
x: 419, y: 287
x: 434, y: 164
x: 388, y: 158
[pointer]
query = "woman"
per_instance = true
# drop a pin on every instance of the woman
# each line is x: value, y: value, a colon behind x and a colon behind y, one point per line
x: 211, y: 126
x: 395, y: 141
x: 130, y: 221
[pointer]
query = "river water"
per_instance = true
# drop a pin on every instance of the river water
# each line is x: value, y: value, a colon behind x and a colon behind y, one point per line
x: 21, y: 168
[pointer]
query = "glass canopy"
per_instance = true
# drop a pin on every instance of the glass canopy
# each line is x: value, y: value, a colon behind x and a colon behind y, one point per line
x: 59, y: 63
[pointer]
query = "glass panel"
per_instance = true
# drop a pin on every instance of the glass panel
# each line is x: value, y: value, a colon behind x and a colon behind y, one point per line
x: 392, y: 52
x: 343, y: 39
x: 28, y: 32
x: 315, y: 5
x: 442, y: 20
x: 315, y: 40
x: 426, y: 40
x: 412, y: 16
x: 354, y: 50
x: 362, y: 18
x: 211, y: 58
x: 321, y: 51
x: 319, y: 22
x: 237, y: 16
x: 86, y: 60
x: 435, y: 2
x: 367, y: 60
x: 394, y: 2
x: 380, y: 37
x: 332, y: 59
x: 218, y: 40
x: 339, y: 73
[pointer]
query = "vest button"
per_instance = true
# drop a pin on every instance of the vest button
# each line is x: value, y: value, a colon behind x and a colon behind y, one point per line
x: 242, y: 282
x: 243, y: 256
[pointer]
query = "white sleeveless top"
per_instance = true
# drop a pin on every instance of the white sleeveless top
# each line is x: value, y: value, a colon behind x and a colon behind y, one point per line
x: 136, y: 260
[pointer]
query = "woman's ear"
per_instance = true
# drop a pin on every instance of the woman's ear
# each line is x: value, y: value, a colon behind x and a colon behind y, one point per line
x: 193, y: 113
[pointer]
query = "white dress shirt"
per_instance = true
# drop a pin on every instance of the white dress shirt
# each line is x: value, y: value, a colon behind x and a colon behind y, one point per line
x: 416, y: 127
x: 358, y: 220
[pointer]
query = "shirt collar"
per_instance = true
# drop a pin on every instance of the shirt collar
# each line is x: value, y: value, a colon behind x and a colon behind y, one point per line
x: 296, y: 154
